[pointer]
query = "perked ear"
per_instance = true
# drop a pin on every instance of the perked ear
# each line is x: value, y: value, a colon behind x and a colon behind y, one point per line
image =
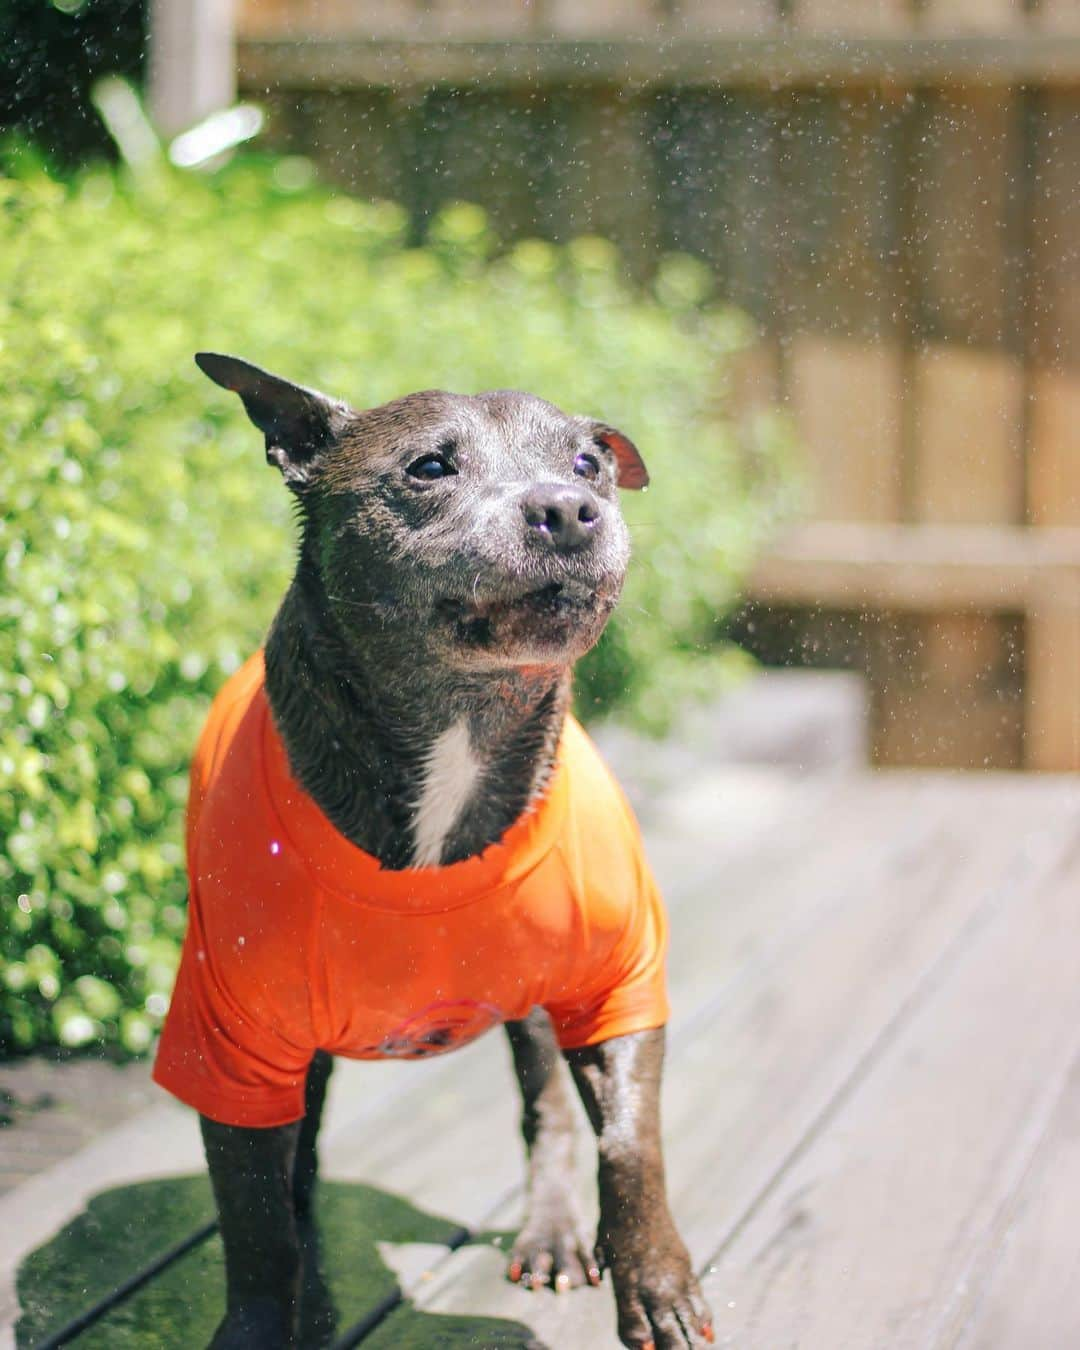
x: 298, y: 423
x: 632, y: 472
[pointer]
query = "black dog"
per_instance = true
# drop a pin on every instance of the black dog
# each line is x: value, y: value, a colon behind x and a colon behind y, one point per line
x: 457, y: 555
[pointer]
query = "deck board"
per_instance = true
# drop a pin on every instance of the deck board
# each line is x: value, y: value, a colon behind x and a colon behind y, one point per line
x: 1031, y: 1296
x: 877, y: 1232
x: 785, y: 1043
x: 871, y: 1104
x: 418, y: 1116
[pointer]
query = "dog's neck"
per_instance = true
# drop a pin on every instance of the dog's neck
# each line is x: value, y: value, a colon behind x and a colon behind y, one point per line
x: 415, y: 766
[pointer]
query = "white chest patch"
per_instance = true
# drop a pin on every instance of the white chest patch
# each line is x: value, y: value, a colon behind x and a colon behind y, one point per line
x: 449, y: 779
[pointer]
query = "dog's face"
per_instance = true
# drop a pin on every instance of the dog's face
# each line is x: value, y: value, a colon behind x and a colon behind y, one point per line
x: 483, y: 530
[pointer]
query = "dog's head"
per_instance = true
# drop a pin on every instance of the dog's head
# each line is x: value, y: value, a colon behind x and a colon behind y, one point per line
x: 484, y: 529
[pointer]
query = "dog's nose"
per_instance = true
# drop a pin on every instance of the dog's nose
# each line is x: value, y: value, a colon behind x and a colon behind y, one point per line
x: 564, y: 516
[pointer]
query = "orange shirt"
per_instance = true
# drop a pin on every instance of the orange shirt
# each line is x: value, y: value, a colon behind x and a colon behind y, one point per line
x: 298, y: 940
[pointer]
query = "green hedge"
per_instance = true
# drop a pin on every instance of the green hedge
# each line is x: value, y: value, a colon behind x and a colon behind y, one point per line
x: 145, y: 543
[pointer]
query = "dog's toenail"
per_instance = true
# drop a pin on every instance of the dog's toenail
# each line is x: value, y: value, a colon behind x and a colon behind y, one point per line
x: 562, y: 1282
x: 515, y: 1271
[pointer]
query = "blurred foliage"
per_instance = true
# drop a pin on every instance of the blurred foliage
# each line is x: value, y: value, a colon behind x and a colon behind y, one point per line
x: 145, y: 544
x: 51, y: 52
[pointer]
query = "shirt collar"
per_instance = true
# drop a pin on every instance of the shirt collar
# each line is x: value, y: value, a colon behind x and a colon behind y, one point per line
x: 340, y: 866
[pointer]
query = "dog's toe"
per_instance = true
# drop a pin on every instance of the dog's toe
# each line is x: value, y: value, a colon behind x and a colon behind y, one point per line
x: 556, y: 1259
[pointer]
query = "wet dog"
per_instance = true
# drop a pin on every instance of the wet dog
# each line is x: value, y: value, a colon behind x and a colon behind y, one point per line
x: 398, y: 837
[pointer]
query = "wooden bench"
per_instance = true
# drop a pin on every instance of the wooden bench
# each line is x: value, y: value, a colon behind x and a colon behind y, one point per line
x: 958, y: 578
x: 870, y: 1106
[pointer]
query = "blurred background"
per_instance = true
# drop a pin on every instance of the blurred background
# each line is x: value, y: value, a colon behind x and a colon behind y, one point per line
x: 818, y: 256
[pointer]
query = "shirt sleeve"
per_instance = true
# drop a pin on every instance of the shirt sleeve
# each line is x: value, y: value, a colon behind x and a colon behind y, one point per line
x: 627, y: 991
x: 220, y: 1061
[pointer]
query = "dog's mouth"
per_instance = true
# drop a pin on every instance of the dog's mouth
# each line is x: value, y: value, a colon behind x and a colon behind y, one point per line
x: 555, y: 609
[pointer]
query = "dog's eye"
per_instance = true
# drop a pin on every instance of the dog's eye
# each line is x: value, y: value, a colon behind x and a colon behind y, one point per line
x: 429, y: 467
x: 587, y: 466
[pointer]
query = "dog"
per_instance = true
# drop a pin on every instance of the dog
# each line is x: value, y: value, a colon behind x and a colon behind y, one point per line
x: 398, y: 837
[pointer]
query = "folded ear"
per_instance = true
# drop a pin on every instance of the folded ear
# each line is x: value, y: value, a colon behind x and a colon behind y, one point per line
x: 296, y: 422
x: 632, y: 472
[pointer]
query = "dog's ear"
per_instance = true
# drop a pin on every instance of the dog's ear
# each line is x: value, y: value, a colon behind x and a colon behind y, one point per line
x: 298, y: 423
x: 631, y: 470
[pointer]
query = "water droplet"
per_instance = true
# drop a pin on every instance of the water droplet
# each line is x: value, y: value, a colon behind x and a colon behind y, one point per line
x: 275, y: 847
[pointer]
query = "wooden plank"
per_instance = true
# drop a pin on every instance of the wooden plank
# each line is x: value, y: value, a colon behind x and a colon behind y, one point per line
x: 840, y: 211
x: 601, y: 174
x: 874, y: 1231
x: 483, y: 18
x: 1032, y: 1296
x: 746, y: 61
x: 161, y: 1141
x: 847, y: 395
x: 1053, y: 458
x: 477, y: 146
x: 967, y: 417
x: 1058, y: 15
x: 974, y: 16
x: 612, y: 18
x: 948, y: 691
x: 41, y: 1105
x: 1053, y: 638
x: 967, y: 422
x: 915, y: 568
x: 707, y: 17
x: 965, y: 164
x: 967, y: 375
x: 354, y: 137
x: 718, y: 194
x: 1054, y: 483
x: 1052, y: 708
x: 852, y: 16
x: 843, y: 181
x: 784, y: 1046
x: 696, y: 137
x: 303, y: 19
x: 752, y: 384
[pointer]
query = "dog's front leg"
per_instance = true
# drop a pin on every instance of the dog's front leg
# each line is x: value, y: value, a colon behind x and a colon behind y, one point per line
x: 552, y: 1247
x: 658, y: 1298
x: 252, y: 1175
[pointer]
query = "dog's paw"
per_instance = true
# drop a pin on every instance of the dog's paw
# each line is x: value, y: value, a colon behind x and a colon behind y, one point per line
x: 659, y: 1303
x: 555, y: 1252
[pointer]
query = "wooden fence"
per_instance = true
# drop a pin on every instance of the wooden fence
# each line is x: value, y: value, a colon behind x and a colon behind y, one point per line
x: 890, y: 188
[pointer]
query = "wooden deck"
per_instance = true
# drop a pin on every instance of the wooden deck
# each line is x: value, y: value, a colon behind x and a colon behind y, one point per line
x: 872, y: 1106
